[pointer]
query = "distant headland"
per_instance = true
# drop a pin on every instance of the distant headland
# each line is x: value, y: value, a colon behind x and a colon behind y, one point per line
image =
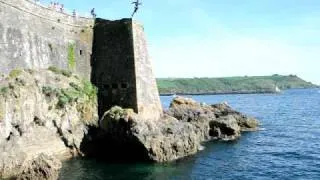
x: 231, y: 85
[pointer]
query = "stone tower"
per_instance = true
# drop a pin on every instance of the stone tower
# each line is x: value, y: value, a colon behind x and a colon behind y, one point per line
x: 121, y: 68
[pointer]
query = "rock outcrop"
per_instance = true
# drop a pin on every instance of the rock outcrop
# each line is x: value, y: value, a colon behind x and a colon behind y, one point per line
x: 162, y: 140
x: 42, y: 112
x: 49, y: 115
x: 218, y: 121
x: 41, y: 167
x: 177, y: 134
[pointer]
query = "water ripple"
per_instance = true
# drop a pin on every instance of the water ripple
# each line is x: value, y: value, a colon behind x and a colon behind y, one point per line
x: 287, y: 148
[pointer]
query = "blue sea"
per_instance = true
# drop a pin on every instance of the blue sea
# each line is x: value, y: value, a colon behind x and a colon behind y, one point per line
x: 287, y: 147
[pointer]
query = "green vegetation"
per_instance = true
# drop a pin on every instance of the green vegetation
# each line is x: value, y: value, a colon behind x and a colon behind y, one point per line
x: 245, y: 84
x: 3, y: 93
x: 60, y: 71
x: 15, y: 73
x: 84, y: 94
x: 50, y: 47
x: 71, y: 56
x: 89, y: 90
x: 4, y: 90
x: 86, y: 91
x: 54, y: 69
x: 116, y: 115
x: 1, y: 113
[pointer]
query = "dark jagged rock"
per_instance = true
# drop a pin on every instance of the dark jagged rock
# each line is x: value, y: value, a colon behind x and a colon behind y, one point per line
x: 245, y: 122
x: 217, y: 121
x: 177, y: 134
x: 132, y: 138
x: 225, y: 128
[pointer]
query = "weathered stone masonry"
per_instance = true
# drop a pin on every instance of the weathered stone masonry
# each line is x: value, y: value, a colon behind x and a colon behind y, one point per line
x: 113, y: 53
x: 112, y: 63
x: 121, y: 68
x: 33, y: 36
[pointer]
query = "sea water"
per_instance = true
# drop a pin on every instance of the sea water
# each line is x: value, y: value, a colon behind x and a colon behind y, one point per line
x: 288, y: 147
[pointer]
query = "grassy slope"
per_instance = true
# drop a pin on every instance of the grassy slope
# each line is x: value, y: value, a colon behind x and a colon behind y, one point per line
x: 230, y: 84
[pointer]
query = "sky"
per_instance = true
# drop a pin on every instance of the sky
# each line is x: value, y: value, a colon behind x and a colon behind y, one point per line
x: 218, y: 38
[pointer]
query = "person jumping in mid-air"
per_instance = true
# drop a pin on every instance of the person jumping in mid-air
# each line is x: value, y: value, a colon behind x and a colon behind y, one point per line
x: 136, y: 6
x: 93, y: 13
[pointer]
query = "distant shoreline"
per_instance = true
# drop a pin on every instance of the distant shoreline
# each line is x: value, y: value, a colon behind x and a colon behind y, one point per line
x: 219, y: 93
x: 231, y: 85
x: 228, y: 93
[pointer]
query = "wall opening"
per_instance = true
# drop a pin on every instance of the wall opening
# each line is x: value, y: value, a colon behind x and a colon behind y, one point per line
x: 106, y: 86
x: 124, y: 85
x: 114, y: 86
x: 81, y: 52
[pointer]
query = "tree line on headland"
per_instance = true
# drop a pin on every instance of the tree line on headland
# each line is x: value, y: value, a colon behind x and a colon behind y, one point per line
x: 231, y: 85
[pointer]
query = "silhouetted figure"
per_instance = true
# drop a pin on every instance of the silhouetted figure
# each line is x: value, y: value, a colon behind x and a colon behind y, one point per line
x: 61, y: 8
x: 74, y: 14
x: 136, y: 6
x: 51, y: 5
x: 93, y: 13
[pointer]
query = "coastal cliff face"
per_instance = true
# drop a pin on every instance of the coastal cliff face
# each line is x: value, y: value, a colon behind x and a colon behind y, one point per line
x: 50, y: 115
x: 44, y: 116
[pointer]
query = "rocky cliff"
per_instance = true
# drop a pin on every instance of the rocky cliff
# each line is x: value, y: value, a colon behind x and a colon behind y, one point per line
x: 50, y: 115
x: 44, y: 116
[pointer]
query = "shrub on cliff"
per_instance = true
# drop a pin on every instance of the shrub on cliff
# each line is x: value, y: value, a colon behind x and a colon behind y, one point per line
x: 60, y: 71
x: 15, y: 73
x: 71, y: 56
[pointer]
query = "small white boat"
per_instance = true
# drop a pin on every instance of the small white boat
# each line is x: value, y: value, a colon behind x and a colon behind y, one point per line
x: 277, y: 89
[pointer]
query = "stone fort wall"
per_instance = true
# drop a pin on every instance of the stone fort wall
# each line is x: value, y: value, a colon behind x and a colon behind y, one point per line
x: 121, y: 68
x: 34, y: 36
x: 113, y: 69
x: 147, y: 91
x: 112, y: 53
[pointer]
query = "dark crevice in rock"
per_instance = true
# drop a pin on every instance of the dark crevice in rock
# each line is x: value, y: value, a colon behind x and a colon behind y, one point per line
x: 38, y: 121
x: 9, y: 137
x: 223, y: 128
x: 59, y: 130
x: 110, y: 148
x: 17, y: 127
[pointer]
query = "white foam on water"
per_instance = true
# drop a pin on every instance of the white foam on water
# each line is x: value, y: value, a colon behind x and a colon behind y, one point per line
x: 201, y: 148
